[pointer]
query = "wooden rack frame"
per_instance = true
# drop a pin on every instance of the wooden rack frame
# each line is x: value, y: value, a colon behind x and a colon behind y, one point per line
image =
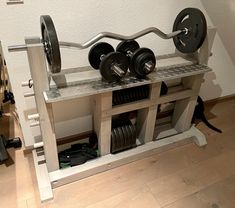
x: 191, y: 71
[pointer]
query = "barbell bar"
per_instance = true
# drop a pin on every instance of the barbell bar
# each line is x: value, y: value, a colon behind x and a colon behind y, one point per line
x: 90, y: 42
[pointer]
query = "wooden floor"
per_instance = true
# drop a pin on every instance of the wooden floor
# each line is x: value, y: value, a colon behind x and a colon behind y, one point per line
x: 186, y: 177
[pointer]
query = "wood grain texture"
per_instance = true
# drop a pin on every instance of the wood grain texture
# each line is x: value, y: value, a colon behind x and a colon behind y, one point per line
x: 195, y: 177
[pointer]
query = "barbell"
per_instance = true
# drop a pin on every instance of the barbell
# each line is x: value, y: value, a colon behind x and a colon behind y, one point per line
x: 189, y: 32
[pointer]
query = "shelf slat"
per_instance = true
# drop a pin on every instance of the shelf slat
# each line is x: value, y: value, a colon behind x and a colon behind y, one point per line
x: 79, y: 84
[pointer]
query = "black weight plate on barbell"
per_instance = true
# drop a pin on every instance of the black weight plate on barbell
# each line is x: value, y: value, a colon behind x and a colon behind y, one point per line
x: 194, y: 20
x: 113, y: 58
x: 98, y: 52
x: 138, y: 60
x: 51, y: 43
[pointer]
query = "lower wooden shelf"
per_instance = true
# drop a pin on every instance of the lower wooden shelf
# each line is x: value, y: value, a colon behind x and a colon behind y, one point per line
x: 64, y: 176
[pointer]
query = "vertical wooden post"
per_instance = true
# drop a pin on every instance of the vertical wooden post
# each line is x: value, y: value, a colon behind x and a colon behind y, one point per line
x: 147, y: 116
x: 38, y: 69
x: 205, y: 50
x: 184, y: 109
x: 102, y: 123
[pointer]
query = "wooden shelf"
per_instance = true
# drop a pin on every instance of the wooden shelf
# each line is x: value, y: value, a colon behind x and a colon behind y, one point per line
x: 93, y: 84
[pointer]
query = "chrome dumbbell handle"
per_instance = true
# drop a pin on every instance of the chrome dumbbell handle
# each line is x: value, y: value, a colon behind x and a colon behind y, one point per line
x: 117, y: 70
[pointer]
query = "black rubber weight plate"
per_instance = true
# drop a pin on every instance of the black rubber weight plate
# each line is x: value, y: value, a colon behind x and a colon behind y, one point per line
x: 138, y: 60
x: 112, y: 141
x: 194, y: 20
x: 97, y: 51
x: 51, y: 43
x: 113, y: 58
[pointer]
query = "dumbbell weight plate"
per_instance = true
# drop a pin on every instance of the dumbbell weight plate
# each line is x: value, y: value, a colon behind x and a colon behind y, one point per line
x: 139, y: 59
x: 97, y: 51
x: 125, y: 46
x: 113, y: 58
x: 51, y: 43
x: 194, y: 20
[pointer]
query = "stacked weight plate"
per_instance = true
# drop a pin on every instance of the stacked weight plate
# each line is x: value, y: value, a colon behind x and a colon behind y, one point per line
x: 123, y: 135
x: 130, y: 95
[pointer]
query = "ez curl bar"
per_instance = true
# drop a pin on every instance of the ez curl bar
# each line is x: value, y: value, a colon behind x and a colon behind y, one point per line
x: 189, y: 32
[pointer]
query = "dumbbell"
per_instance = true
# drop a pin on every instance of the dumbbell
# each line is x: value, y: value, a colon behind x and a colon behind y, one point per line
x: 113, y: 66
x: 142, y: 61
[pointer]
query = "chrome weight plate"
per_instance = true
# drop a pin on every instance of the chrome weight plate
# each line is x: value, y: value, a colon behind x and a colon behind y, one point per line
x: 51, y: 43
x: 194, y: 21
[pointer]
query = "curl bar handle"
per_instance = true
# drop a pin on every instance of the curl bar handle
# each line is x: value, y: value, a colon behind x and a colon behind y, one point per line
x: 120, y: 37
x: 108, y: 35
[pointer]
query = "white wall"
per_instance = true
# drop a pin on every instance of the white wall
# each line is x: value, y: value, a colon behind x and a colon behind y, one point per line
x: 77, y: 20
x: 222, y: 14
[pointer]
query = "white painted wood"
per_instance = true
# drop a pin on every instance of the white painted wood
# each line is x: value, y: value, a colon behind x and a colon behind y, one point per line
x: 26, y: 83
x: 198, y: 137
x: 184, y: 108
x: 43, y: 180
x: 38, y: 144
x: 129, y: 107
x: 165, y: 131
x: 29, y: 94
x: 94, y: 87
x: 205, y: 50
x: 102, y: 123
x: 33, y: 116
x: 38, y: 71
x: 176, y: 96
x: 35, y: 123
x: 147, y: 116
x: 107, y: 162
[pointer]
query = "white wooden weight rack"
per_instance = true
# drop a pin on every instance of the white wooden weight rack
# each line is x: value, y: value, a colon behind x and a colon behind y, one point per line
x: 87, y: 82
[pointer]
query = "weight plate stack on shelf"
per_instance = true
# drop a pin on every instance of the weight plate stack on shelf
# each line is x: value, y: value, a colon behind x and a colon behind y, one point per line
x: 130, y: 95
x: 123, y: 135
